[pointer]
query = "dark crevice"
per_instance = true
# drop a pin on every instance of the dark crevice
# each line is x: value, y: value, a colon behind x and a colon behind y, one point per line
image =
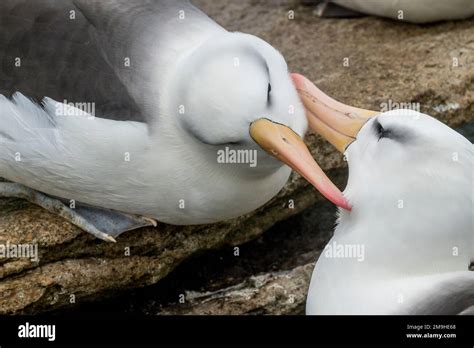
x: 288, y: 244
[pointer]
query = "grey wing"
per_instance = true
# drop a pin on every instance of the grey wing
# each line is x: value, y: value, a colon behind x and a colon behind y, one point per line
x: 468, y: 311
x: 453, y: 294
x: 46, y: 50
x: 111, y: 54
x: 142, y: 40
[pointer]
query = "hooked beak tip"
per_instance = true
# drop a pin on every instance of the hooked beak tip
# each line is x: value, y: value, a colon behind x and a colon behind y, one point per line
x: 283, y: 143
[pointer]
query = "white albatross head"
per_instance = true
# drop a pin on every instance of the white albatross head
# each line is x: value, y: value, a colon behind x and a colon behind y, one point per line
x: 411, y: 183
x: 411, y: 188
x: 407, y: 244
x: 235, y: 91
x: 413, y: 158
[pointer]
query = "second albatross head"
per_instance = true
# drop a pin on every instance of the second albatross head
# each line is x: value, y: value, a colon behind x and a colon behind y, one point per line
x: 397, y: 159
x: 410, y: 233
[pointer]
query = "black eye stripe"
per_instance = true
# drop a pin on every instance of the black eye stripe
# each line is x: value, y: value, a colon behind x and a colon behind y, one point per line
x: 382, y: 132
x: 399, y: 133
x: 269, y: 89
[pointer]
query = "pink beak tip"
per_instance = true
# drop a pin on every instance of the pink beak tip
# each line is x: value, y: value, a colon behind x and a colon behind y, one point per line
x: 297, y: 78
x: 340, y: 201
x: 345, y: 205
x: 336, y: 197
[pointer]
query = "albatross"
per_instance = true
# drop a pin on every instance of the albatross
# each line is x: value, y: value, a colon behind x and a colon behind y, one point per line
x: 407, y: 245
x: 418, y: 11
x: 165, y: 91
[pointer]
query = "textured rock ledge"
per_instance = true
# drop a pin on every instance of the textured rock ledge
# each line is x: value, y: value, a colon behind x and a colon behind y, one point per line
x: 388, y: 61
x: 73, y: 263
x: 274, y: 293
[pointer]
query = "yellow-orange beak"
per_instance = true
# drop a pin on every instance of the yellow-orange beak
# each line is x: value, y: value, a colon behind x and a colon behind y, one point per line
x: 283, y: 143
x: 336, y: 122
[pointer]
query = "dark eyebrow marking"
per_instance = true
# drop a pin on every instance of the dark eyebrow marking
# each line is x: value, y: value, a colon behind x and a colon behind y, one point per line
x: 269, y: 87
x: 401, y: 134
x: 260, y: 58
x: 269, y: 96
x: 264, y: 64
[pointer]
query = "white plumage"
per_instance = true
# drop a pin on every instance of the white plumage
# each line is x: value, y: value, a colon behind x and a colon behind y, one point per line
x: 416, y: 11
x: 412, y: 194
x: 198, y: 87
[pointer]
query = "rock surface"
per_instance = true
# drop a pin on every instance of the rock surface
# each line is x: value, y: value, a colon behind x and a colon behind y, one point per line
x: 387, y: 62
x: 281, y: 292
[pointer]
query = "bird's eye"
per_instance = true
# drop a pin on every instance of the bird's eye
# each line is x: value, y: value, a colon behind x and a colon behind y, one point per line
x: 380, y: 131
x: 269, y: 89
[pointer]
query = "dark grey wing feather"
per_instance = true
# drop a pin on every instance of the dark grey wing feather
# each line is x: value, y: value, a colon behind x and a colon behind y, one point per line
x: 76, y: 50
x: 46, y: 50
x: 142, y: 40
x: 453, y: 295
